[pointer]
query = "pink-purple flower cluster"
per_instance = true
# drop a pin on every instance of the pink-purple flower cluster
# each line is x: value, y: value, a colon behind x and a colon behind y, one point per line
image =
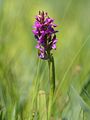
x: 45, y: 34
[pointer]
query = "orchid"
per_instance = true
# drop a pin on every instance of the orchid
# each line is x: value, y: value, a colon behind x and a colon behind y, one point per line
x: 45, y: 34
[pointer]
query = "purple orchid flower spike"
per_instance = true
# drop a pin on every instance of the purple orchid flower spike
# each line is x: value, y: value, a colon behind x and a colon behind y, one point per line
x: 45, y: 34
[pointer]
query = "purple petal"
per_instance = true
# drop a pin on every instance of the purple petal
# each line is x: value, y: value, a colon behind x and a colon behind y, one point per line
x: 35, y: 32
x: 37, y: 24
x: 49, y: 20
x: 38, y: 46
x: 54, y: 46
x: 41, y: 55
x: 54, y: 41
x: 54, y: 25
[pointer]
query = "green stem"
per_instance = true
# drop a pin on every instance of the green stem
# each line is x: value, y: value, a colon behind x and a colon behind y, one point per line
x: 52, y: 85
x: 53, y: 74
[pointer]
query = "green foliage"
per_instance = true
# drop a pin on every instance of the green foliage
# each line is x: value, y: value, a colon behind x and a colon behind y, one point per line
x: 22, y: 74
x: 41, y: 105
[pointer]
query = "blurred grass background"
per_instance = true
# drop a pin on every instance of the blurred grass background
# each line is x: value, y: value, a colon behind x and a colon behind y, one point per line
x: 22, y: 74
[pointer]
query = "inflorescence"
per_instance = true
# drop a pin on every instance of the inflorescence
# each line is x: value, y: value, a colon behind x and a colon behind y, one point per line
x: 45, y: 34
